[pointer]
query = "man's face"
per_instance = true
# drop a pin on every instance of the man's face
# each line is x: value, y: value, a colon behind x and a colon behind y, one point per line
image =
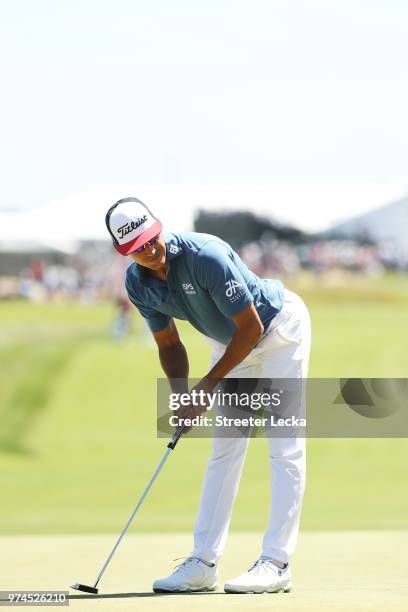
x: 153, y: 255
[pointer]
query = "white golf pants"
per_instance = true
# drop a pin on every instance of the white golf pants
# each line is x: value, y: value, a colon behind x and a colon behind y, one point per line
x: 282, y: 353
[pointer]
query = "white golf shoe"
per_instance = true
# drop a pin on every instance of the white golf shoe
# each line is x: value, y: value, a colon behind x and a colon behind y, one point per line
x: 262, y: 577
x: 191, y: 575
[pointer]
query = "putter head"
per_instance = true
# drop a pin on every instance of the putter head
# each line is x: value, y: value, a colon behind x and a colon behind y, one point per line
x: 84, y: 588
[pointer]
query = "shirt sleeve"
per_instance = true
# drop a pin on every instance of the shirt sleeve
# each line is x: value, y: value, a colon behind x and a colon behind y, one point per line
x: 221, y: 278
x: 156, y: 321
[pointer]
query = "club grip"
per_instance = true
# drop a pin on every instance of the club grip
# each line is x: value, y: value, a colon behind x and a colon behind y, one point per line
x: 176, y: 437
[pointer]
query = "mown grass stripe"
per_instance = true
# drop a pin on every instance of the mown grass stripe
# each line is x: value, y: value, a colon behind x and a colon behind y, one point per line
x: 31, y: 371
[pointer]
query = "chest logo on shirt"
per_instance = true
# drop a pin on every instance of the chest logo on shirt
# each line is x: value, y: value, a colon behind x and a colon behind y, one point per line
x: 188, y: 288
x: 232, y: 288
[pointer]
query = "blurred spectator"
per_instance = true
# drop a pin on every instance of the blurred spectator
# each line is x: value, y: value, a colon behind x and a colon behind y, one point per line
x: 121, y: 323
x: 271, y: 258
x: 37, y: 270
x: 345, y: 254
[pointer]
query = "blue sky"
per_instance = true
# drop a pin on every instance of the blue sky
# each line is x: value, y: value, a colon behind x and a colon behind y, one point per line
x: 223, y: 92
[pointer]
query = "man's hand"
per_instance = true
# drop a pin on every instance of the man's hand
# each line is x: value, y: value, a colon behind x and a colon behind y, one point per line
x: 189, y: 413
x: 199, y: 403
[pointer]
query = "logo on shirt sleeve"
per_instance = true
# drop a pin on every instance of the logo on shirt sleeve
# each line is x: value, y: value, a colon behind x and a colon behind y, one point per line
x: 231, y: 288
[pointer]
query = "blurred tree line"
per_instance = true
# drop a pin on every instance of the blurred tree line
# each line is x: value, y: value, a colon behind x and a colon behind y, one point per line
x: 242, y: 227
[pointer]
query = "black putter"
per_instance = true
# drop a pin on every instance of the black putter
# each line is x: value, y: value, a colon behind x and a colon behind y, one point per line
x: 170, y: 446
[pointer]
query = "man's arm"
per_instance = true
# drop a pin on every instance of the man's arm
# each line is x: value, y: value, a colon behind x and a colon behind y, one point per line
x: 221, y: 277
x: 249, y: 330
x: 173, y: 357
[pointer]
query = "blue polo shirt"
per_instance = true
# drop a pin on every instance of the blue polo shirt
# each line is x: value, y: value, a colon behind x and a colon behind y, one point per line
x: 207, y: 283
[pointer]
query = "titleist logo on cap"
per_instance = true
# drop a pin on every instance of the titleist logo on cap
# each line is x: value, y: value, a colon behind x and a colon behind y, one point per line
x: 123, y: 230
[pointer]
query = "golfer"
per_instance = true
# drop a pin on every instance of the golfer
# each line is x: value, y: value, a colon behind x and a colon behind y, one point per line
x: 256, y: 328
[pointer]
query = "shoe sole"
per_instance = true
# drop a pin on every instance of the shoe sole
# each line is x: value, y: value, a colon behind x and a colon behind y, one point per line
x: 281, y: 589
x: 198, y: 590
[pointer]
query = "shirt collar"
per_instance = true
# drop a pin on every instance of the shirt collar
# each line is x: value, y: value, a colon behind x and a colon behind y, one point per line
x: 173, y: 245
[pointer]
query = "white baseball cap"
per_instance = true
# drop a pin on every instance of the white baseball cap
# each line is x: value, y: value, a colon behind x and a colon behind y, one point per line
x: 131, y: 224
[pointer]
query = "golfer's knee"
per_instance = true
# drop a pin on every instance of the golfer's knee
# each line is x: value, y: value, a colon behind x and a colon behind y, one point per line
x: 228, y: 448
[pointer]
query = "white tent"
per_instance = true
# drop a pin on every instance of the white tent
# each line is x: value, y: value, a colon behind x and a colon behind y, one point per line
x: 81, y: 216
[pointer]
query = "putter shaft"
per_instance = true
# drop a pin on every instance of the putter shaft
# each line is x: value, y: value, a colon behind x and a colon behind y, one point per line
x: 170, y: 446
x: 162, y: 462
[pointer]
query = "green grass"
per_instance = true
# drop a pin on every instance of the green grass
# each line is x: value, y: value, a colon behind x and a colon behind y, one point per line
x: 77, y: 410
x: 350, y: 578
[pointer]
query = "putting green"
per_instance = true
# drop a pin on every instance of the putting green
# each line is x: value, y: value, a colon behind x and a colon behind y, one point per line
x: 354, y: 570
